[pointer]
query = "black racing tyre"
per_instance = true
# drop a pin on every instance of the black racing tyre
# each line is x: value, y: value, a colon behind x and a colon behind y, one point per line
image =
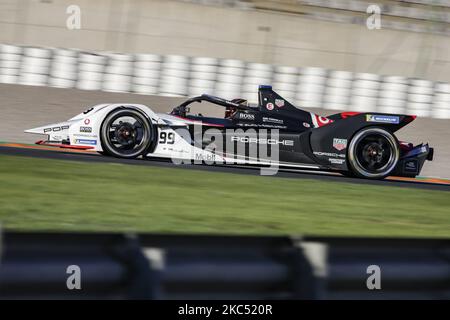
x: 126, y: 133
x: 373, y: 153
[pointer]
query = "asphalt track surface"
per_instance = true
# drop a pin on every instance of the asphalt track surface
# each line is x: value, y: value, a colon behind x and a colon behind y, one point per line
x: 62, y: 154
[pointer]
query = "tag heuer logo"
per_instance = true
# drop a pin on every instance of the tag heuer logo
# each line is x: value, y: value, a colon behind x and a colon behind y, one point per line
x: 279, y: 103
x: 339, y: 144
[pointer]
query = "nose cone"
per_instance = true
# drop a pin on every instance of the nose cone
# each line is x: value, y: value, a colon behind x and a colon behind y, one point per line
x: 39, y: 130
x: 49, y: 128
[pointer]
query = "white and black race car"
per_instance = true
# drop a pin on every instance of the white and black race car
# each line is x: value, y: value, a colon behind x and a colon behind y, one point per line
x: 357, y: 144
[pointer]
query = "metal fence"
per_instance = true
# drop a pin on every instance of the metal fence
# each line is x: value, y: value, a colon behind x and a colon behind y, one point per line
x: 119, y: 266
x: 175, y: 75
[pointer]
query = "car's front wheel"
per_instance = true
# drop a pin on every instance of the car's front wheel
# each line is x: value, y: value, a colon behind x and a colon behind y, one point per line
x: 126, y: 133
x: 373, y: 153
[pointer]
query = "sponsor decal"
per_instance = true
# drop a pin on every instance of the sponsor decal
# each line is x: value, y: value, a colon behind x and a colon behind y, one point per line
x: 272, y: 126
x: 86, y: 141
x: 319, y: 121
x: 56, y: 129
x: 382, y: 118
x: 86, y: 129
x: 262, y: 141
x: 269, y: 106
x: 329, y: 154
x: 87, y: 121
x: 247, y: 125
x: 279, y: 103
x: 411, y: 166
x: 273, y: 120
x: 246, y: 116
x: 336, y: 161
x: 323, y: 121
x: 262, y: 125
x: 176, y: 150
x: 306, y: 125
x: 84, y: 135
x: 205, y: 157
x: 339, y: 144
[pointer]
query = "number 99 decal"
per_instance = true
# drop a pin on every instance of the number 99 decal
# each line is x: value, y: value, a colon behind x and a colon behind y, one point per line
x: 166, y: 138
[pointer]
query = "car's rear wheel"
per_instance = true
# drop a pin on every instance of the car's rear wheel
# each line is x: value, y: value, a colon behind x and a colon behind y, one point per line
x: 126, y: 133
x: 373, y: 153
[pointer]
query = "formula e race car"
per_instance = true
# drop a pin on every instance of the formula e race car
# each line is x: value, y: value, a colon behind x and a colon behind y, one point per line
x: 271, y: 132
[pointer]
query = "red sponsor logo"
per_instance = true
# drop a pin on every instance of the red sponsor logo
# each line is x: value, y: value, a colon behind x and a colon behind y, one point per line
x: 320, y: 121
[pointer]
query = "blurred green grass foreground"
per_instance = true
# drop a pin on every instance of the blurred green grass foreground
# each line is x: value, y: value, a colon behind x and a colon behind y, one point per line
x: 42, y: 194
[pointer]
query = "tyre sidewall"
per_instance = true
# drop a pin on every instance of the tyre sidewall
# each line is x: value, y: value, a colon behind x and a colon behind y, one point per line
x: 353, y: 165
x: 148, y: 133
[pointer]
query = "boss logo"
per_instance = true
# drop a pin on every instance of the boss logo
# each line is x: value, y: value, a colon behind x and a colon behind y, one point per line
x: 246, y: 116
x: 86, y: 129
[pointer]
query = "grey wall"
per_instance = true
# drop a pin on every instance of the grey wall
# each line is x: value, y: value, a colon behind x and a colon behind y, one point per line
x: 172, y: 27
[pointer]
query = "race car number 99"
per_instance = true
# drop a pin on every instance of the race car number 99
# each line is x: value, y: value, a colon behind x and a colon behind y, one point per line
x: 166, y: 138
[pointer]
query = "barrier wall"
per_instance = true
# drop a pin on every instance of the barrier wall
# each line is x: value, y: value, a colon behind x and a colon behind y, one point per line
x: 258, y: 35
x: 176, y: 75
